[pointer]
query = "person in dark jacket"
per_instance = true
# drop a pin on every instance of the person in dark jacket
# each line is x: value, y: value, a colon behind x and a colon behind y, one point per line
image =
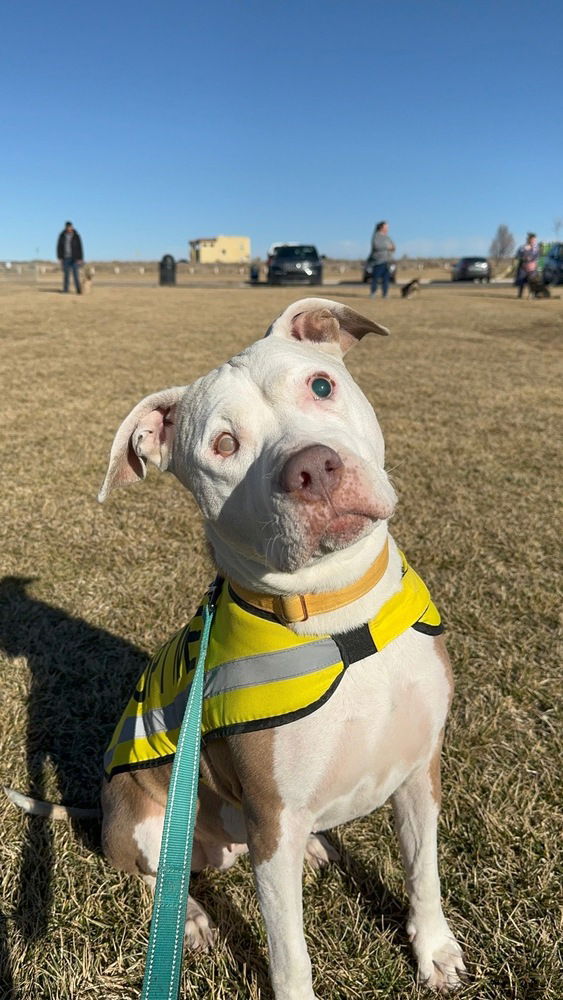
x: 71, y: 255
x: 527, y: 257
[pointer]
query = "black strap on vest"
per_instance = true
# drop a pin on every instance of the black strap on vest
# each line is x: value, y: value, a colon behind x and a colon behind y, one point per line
x: 355, y: 645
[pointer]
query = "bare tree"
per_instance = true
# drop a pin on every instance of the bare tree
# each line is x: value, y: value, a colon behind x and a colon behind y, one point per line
x: 557, y: 224
x: 503, y: 244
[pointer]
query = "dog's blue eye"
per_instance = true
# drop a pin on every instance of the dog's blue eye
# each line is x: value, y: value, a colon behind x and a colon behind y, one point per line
x: 321, y: 387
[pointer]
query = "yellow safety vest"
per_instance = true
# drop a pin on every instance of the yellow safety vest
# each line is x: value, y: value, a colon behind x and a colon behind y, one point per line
x: 258, y: 673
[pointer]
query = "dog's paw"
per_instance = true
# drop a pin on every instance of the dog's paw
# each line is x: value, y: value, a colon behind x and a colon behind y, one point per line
x: 439, y: 956
x: 319, y: 852
x: 201, y: 933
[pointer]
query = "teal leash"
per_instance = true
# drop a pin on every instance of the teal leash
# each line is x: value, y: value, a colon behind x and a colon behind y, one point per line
x: 166, y: 940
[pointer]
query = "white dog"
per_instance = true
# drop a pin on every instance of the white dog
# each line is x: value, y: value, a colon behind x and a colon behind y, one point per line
x: 327, y: 680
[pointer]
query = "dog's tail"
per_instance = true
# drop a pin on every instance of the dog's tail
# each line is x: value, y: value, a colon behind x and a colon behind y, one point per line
x: 36, y: 807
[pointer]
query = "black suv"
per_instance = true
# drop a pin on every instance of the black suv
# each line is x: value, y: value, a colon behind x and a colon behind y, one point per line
x: 472, y: 269
x: 294, y: 264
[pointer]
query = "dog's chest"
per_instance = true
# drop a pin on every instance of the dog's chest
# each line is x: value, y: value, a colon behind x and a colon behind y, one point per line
x: 384, y: 720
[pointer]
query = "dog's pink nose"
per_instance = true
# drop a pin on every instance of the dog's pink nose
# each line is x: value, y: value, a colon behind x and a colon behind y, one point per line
x: 312, y: 473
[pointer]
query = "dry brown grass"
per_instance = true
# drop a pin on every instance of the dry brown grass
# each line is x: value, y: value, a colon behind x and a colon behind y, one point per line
x: 466, y: 392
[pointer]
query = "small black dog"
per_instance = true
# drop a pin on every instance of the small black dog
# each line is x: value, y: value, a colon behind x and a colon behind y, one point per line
x: 537, y: 289
x: 410, y: 288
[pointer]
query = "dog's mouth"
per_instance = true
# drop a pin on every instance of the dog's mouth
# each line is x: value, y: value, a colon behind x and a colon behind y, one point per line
x: 324, y: 531
x: 292, y: 542
x: 343, y: 528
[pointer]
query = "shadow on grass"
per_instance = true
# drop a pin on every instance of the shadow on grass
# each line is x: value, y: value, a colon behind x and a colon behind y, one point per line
x: 241, y: 935
x: 80, y: 678
x: 385, y: 909
x: 6, y: 981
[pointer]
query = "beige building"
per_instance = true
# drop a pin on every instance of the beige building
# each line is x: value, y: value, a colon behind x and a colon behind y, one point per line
x: 220, y: 250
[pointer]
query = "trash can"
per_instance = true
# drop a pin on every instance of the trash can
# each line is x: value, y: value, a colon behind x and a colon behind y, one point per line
x: 254, y: 273
x: 167, y: 270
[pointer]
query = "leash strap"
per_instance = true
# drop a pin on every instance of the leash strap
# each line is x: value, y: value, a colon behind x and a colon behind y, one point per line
x: 166, y: 940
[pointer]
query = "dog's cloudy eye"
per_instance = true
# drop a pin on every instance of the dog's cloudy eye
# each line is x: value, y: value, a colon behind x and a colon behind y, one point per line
x: 226, y: 445
x: 321, y: 387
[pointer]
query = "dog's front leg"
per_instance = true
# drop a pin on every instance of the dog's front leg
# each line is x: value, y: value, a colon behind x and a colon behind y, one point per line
x: 277, y: 848
x: 416, y: 809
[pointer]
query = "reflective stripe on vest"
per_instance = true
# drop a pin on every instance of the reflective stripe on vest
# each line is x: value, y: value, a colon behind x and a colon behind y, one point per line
x: 258, y: 673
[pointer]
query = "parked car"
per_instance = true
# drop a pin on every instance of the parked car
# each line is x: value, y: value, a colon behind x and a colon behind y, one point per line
x: 294, y: 263
x: 274, y: 247
x: 553, y: 265
x: 368, y: 269
x: 472, y: 269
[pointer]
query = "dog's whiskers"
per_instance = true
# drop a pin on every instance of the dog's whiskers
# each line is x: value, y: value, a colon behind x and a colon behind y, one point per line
x: 389, y: 471
x: 270, y: 545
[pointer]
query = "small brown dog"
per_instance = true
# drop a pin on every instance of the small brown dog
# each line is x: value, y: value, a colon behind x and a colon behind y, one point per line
x: 86, y: 276
x: 537, y: 289
x: 410, y: 288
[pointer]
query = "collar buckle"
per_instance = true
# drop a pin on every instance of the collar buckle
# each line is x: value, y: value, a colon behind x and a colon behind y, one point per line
x: 291, y: 609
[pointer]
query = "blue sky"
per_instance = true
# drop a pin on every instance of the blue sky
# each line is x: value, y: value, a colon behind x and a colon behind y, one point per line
x: 152, y: 123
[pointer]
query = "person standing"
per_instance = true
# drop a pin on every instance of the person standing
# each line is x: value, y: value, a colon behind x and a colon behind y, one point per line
x: 527, y: 257
x: 71, y: 256
x: 382, y: 248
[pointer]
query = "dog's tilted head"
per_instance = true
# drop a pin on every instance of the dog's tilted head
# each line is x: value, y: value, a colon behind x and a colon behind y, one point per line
x: 279, y: 446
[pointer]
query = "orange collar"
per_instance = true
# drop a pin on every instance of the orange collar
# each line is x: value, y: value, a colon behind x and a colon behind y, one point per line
x: 299, y: 607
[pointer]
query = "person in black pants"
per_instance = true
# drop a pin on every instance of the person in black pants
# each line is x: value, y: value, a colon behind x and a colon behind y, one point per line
x: 71, y: 255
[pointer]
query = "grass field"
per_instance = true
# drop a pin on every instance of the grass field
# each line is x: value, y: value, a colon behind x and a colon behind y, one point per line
x: 466, y: 390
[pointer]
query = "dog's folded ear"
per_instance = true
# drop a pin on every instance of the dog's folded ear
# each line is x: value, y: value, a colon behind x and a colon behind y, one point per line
x: 327, y: 324
x: 146, y: 435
